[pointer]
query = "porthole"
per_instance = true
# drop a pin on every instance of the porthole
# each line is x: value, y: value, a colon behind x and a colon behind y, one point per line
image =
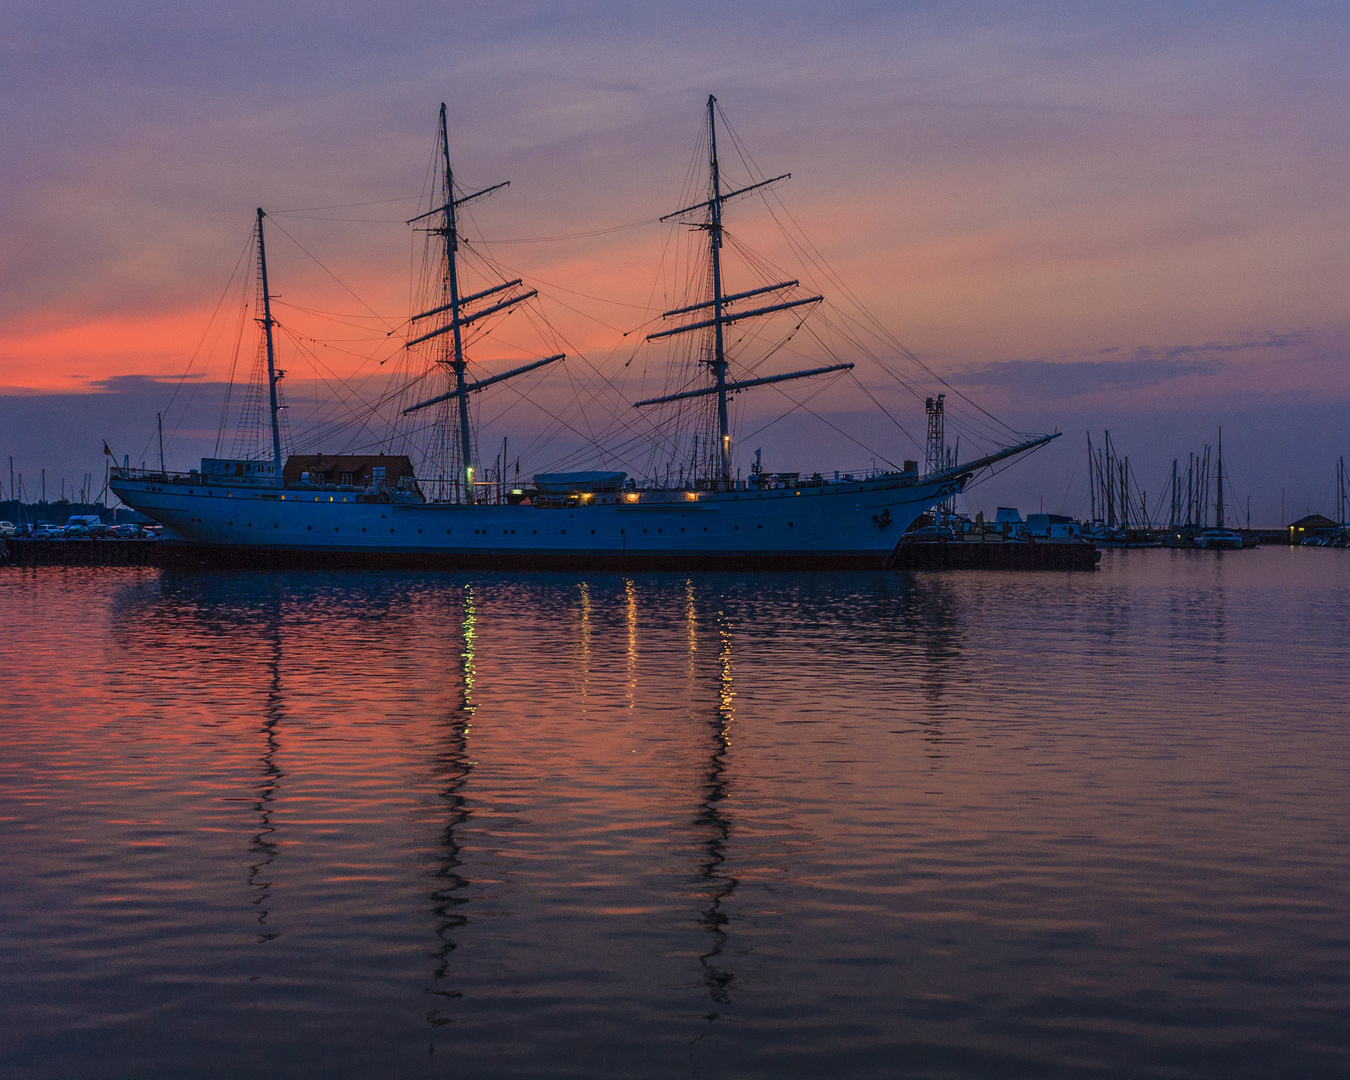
x: 419, y: 532
x: 363, y: 528
x: 310, y: 528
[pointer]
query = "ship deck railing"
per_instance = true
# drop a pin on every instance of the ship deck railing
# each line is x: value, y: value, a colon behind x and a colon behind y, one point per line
x: 160, y: 476
x: 758, y: 482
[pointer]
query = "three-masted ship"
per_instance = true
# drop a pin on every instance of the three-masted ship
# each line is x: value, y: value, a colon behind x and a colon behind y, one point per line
x: 377, y: 509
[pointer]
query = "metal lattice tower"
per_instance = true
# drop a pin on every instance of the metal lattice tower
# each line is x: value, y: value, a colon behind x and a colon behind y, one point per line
x: 935, y: 450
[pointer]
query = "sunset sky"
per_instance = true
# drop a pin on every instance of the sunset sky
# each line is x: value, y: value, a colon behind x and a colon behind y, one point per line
x: 1131, y: 217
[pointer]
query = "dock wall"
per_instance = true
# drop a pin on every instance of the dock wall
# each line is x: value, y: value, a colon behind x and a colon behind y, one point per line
x: 108, y: 552
x: 995, y: 556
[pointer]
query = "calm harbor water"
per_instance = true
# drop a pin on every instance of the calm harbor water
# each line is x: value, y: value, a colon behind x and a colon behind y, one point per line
x: 931, y: 825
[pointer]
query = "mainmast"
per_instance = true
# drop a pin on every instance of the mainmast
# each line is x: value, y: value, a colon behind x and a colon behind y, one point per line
x: 719, y: 360
x: 455, y: 306
x: 451, y: 230
x: 273, y: 375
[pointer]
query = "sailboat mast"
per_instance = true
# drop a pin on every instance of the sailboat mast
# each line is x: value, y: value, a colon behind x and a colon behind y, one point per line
x: 719, y: 359
x: 1218, y: 503
x: 1110, y: 485
x: 273, y: 376
x: 451, y: 288
x: 1092, y: 486
x: 1341, y: 488
x: 1176, y: 497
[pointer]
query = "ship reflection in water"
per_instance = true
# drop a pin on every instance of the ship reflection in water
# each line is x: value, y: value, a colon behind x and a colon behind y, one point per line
x: 264, y: 846
x: 715, y: 825
x: 448, y: 898
x: 377, y: 824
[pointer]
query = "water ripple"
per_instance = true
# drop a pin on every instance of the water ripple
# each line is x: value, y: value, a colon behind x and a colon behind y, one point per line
x: 946, y: 825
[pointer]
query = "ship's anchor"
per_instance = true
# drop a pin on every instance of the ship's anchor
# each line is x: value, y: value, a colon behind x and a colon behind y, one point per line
x: 883, y: 519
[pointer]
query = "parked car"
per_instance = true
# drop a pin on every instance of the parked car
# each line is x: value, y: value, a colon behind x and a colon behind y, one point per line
x: 82, y: 526
x: 47, y: 532
x: 8, y: 529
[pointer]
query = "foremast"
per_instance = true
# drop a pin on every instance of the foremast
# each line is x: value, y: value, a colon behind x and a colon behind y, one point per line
x: 719, y: 301
x: 719, y: 358
x: 724, y: 313
x: 455, y: 305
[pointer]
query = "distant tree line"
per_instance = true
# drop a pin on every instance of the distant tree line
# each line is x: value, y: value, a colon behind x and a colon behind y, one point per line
x: 59, y: 511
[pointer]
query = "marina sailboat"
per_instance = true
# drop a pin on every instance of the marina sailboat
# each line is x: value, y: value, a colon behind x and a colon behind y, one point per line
x: 1219, y: 538
x: 442, y: 511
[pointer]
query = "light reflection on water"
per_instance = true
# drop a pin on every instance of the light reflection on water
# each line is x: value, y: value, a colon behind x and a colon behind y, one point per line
x: 713, y: 825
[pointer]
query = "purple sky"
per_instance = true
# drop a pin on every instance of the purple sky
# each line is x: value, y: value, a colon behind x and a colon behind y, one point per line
x: 1082, y: 217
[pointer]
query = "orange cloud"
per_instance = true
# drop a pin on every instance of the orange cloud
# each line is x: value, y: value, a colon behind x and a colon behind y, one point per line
x: 72, y: 356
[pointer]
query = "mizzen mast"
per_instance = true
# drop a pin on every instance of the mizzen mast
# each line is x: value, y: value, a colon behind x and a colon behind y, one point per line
x: 273, y: 375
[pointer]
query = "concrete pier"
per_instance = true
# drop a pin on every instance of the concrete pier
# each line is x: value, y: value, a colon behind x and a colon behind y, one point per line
x: 959, y: 555
x: 102, y: 552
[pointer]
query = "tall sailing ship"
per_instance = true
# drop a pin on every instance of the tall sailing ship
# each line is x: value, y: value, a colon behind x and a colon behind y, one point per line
x: 380, y: 508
